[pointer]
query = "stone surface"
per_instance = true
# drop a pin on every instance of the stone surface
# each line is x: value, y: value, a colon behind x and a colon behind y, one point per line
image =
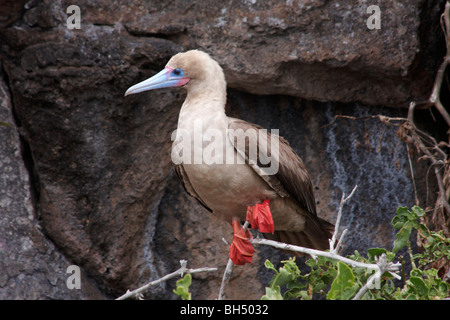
x: 320, y: 50
x: 31, y: 266
x: 98, y: 164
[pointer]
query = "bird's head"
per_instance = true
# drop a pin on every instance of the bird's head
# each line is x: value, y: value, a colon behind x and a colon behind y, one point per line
x: 191, y: 69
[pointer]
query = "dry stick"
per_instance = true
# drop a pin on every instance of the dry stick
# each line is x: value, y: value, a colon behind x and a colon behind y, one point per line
x: 411, y: 170
x: 228, y: 270
x: 226, y: 277
x: 344, y: 199
x: 435, y: 100
x: 435, y: 96
x: 420, y: 143
x: 179, y: 272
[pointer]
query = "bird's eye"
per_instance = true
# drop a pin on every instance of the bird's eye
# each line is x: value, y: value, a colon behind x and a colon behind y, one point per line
x: 177, y: 72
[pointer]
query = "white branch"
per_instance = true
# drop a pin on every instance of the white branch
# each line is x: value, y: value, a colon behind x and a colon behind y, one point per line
x: 312, y: 252
x: 344, y: 199
x: 180, y: 272
x: 225, y: 278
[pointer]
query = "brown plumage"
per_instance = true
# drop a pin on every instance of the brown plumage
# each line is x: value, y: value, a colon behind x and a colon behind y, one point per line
x: 228, y: 189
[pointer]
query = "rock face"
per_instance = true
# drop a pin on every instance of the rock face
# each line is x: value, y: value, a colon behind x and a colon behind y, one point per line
x: 94, y: 185
x: 31, y: 267
x: 319, y: 50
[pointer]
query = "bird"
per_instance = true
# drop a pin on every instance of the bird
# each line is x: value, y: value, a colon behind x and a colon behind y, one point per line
x: 236, y: 181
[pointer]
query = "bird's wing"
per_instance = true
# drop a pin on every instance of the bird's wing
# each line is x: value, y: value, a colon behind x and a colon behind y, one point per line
x: 184, y: 179
x: 291, y: 178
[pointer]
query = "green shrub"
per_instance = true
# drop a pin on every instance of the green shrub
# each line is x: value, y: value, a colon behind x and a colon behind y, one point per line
x: 336, y: 280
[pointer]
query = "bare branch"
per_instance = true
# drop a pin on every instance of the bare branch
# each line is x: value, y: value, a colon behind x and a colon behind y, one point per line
x: 180, y: 272
x: 312, y: 252
x: 344, y: 199
x: 225, y: 279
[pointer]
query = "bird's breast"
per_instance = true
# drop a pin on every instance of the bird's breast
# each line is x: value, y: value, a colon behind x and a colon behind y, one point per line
x: 227, y: 189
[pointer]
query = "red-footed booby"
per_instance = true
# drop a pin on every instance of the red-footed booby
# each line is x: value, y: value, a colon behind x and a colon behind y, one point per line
x: 237, y: 181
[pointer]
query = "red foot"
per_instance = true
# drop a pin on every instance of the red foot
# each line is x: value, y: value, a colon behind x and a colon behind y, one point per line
x: 241, y: 250
x: 260, y: 217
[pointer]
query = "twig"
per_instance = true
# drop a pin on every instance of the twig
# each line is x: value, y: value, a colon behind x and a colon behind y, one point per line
x: 312, y: 252
x: 225, y: 279
x: 341, y: 239
x: 228, y: 270
x: 382, y: 118
x: 435, y: 96
x: 442, y: 201
x: 333, y: 248
x: 435, y: 99
x: 411, y: 170
x: 180, y: 272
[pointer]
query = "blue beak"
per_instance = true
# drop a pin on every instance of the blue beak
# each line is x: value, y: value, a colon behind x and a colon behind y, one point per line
x: 164, y: 79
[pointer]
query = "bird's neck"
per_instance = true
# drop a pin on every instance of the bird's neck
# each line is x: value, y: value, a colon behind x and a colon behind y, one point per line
x: 206, y: 105
x: 209, y: 112
x: 201, y: 122
x: 214, y: 89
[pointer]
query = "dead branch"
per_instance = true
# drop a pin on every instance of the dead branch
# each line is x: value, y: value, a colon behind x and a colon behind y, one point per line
x: 180, y: 272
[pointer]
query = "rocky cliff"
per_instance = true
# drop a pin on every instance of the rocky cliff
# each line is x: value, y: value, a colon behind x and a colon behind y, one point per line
x: 86, y: 176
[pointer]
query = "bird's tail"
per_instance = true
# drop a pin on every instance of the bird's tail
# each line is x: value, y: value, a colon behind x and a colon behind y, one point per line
x: 316, y: 235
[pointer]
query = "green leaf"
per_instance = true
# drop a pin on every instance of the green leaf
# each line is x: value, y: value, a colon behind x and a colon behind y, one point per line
x: 403, y: 215
x: 6, y: 124
x: 411, y: 297
x: 304, y: 295
x: 403, y: 211
x: 444, y: 288
x: 418, y: 212
x: 182, y: 289
x: 283, y: 277
x: 343, y: 286
x: 272, y: 294
x: 420, y: 286
x: 401, y: 239
x: 416, y: 273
